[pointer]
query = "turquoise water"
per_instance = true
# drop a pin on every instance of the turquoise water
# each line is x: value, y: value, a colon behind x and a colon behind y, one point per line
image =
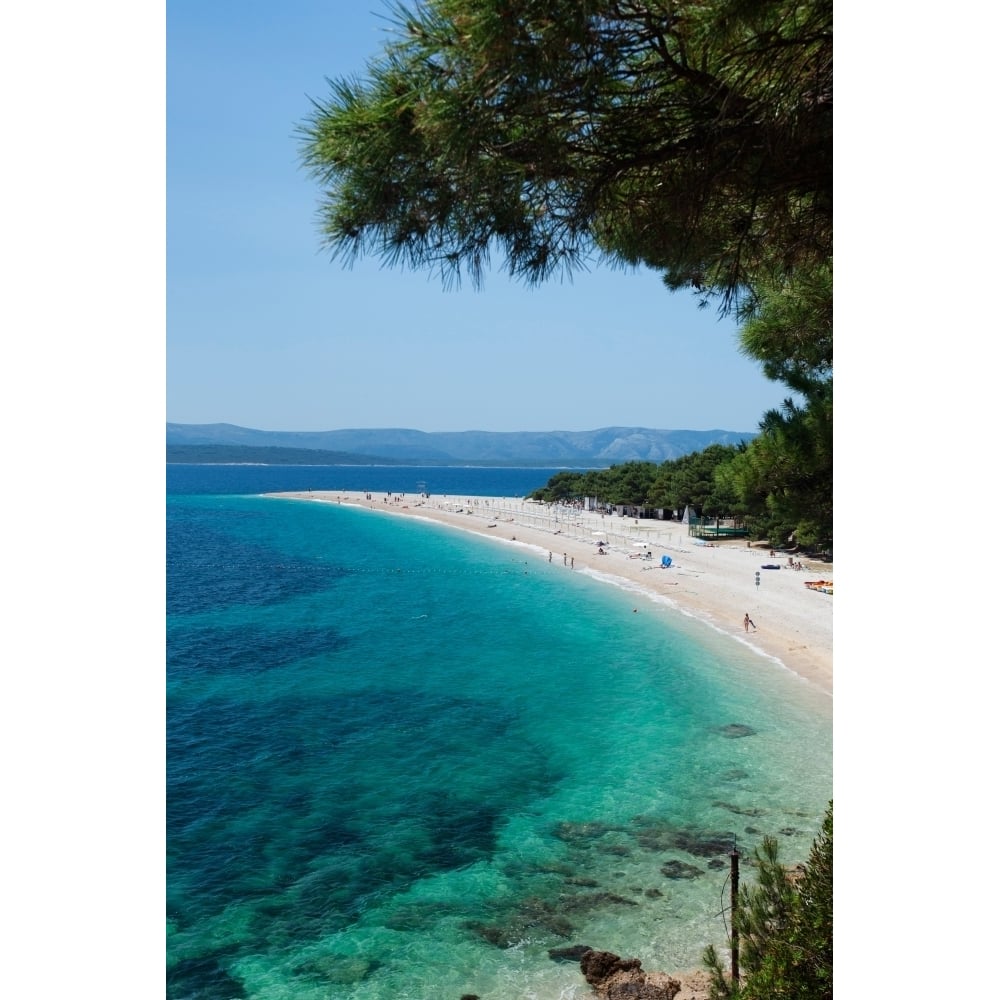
x: 405, y: 762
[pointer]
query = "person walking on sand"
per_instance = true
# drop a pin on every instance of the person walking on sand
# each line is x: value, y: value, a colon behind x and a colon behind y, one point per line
x: 747, y: 623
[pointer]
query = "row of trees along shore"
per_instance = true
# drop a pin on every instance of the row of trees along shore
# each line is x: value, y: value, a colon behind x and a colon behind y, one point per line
x: 693, y: 137
x: 712, y: 484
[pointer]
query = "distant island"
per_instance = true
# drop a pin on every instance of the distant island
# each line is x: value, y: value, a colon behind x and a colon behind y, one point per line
x: 230, y: 444
x: 243, y: 454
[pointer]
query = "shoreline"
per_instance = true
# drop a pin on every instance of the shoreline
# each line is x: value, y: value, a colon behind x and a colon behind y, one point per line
x: 712, y: 583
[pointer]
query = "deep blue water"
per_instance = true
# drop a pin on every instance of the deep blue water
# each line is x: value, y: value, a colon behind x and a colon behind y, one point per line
x: 461, y: 481
x: 404, y: 761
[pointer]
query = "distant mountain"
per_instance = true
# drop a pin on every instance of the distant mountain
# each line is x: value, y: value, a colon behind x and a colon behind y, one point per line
x: 245, y: 454
x: 598, y: 448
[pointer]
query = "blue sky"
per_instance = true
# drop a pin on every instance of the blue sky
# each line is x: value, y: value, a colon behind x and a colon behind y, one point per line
x: 263, y: 330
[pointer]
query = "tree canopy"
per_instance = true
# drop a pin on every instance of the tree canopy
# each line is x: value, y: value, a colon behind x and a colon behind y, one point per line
x: 690, y: 480
x: 691, y: 136
x: 694, y: 136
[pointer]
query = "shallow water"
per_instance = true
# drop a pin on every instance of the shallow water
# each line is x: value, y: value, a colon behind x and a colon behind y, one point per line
x: 405, y: 762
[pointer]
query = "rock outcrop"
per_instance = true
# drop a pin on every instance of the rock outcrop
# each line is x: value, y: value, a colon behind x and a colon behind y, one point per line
x: 615, y: 978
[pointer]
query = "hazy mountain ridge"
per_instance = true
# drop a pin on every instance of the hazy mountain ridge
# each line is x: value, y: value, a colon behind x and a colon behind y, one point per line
x: 606, y: 445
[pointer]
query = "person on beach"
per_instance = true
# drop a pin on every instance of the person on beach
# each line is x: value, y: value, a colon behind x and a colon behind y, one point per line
x: 747, y: 623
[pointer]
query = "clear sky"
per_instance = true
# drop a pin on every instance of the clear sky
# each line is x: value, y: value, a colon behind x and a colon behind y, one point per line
x: 265, y: 331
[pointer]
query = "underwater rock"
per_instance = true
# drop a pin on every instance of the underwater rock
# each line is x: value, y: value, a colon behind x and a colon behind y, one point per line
x: 618, y: 850
x: 704, y: 845
x: 417, y: 916
x: 571, y: 953
x: 680, y: 869
x: 735, y: 730
x: 654, y: 834
x: 583, y: 882
x: 573, y: 832
x: 533, y: 914
x: 739, y: 810
x: 549, y: 916
x: 491, y: 933
x: 557, y: 925
x: 555, y: 868
x: 342, y: 969
x: 655, y: 840
x: 537, y: 912
x: 592, y: 900
x: 657, y: 835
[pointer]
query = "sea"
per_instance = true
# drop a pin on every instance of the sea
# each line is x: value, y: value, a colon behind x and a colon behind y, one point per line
x: 407, y: 762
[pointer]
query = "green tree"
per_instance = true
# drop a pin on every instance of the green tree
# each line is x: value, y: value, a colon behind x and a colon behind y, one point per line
x: 694, y: 136
x: 628, y: 483
x: 789, y: 329
x: 785, y: 925
x: 691, y: 136
x: 784, y: 477
x: 692, y: 480
x: 631, y: 483
x: 562, y: 486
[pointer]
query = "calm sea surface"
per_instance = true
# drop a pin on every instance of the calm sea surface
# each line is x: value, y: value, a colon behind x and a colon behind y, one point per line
x: 404, y: 762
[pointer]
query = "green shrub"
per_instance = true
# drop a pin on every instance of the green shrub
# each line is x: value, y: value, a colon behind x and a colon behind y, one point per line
x: 785, y: 926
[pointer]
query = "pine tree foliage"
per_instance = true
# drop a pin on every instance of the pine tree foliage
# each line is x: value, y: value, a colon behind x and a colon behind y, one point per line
x: 785, y: 924
x: 691, y: 136
x: 790, y: 330
x: 784, y: 477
